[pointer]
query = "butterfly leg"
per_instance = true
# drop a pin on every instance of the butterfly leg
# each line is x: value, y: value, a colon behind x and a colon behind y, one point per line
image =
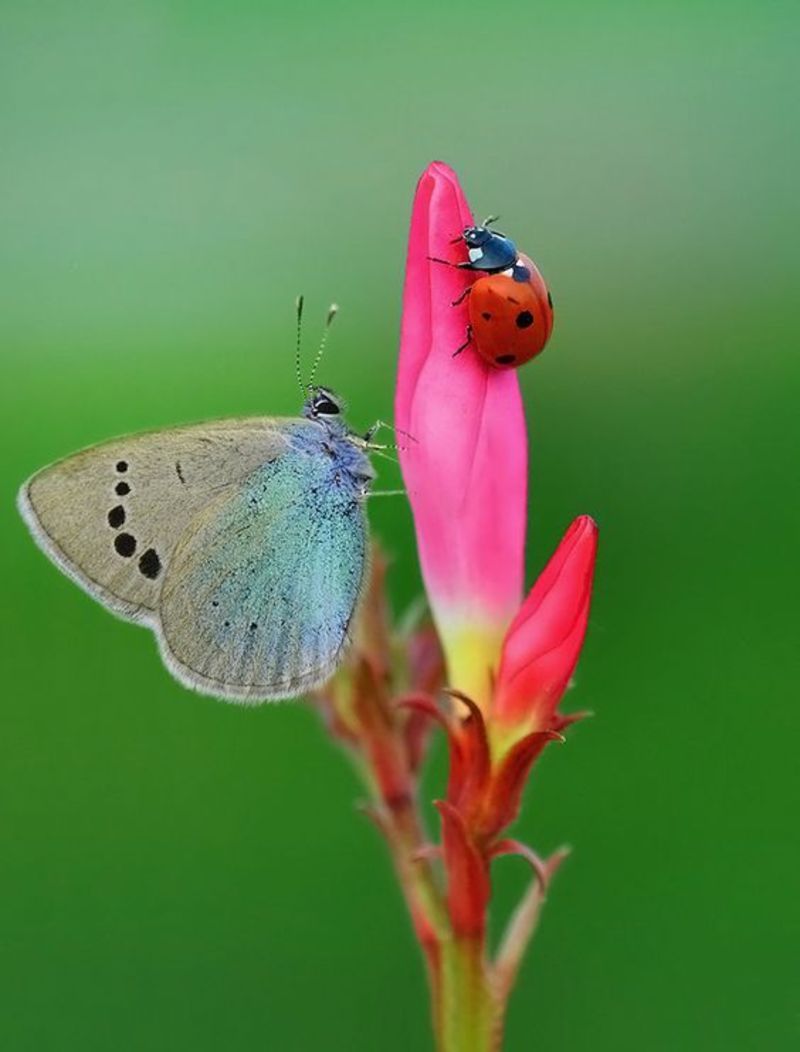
x: 375, y: 448
x: 372, y: 431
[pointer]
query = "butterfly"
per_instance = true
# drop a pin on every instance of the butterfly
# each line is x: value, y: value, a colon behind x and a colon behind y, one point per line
x: 241, y: 543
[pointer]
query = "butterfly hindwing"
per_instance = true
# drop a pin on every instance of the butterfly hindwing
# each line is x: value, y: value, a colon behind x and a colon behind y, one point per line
x: 110, y: 516
x: 260, y: 594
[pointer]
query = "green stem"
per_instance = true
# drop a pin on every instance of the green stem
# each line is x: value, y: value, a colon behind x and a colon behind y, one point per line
x: 467, y: 1008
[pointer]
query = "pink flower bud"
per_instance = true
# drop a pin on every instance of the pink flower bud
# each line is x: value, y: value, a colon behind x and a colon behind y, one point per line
x: 466, y: 468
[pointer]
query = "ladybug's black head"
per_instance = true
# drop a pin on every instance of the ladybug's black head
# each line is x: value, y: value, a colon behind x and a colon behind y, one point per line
x: 476, y: 236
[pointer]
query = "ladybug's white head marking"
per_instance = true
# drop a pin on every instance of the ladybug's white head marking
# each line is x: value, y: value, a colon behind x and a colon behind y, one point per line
x: 476, y: 235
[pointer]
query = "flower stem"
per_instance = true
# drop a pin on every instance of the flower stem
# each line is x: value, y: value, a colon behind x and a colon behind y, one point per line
x: 467, y: 1008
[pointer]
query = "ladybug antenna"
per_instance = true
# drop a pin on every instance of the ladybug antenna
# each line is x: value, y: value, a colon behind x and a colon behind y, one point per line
x: 332, y: 312
x: 490, y: 219
x: 298, y: 305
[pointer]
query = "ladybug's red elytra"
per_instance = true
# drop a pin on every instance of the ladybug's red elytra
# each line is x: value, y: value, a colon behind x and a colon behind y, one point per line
x: 510, y: 307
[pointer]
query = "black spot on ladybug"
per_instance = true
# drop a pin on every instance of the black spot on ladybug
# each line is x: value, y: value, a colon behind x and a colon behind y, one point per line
x: 506, y: 359
x: 122, y: 489
x: 486, y: 315
x: 116, y: 517
x: 524, y: 319
x: 512, y: 300
x: 150, y: 564
x: 122, y: 466
x: 550, y: 300
x: 125, y: 545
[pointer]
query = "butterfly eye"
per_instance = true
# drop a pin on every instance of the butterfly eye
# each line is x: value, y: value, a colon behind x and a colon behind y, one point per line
x: 325, y: 407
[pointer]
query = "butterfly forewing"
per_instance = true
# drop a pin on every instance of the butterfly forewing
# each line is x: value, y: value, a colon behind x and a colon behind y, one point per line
x: 110, y: 516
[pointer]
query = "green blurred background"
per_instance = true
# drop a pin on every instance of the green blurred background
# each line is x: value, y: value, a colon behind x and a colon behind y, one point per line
x: 180, y: 874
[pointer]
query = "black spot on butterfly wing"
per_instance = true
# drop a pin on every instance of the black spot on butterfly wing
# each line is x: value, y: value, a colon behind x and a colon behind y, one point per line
x: 116, y: 517
x: 122, y: 489
x: 150, y: 564
x: 125, y: 545
x: 122, y: 466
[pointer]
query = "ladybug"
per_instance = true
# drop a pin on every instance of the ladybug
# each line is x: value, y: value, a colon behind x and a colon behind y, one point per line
x: 510, y: 307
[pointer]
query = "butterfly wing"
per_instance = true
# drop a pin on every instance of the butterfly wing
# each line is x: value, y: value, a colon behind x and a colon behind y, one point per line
x: 260, y: 593
x: 111, y: 516
x: 241, y: 543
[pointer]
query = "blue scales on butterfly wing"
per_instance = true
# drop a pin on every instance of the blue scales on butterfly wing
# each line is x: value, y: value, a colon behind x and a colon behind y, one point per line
x: 262, y: 588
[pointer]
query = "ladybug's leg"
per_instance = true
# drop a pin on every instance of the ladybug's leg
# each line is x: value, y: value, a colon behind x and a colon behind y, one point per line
x: 447, y: 263
x: 462, y: 297
x: 466, y: 342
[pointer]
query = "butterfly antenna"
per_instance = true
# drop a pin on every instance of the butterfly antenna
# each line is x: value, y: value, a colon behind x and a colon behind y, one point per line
x: 332, y: 312
x: 299, y: 312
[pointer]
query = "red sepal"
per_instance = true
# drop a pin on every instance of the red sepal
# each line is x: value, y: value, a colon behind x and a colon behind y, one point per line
x: 468, y: 783
x: 508, y: 782
x: 375, y: 720
x: 468, y: 887
x: 560, y: 723
x: 544, y: 868
x: 468, y: 747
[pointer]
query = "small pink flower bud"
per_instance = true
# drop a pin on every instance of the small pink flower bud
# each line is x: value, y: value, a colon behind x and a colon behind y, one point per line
x: 544, y: 641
